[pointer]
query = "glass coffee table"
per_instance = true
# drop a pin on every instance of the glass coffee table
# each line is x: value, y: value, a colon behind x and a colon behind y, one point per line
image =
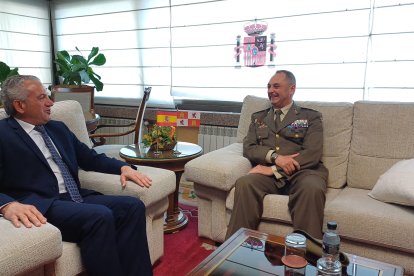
x: 250, y: 252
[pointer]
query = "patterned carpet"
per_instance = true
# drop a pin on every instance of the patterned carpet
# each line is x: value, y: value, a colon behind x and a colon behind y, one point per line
x: 183, y: 250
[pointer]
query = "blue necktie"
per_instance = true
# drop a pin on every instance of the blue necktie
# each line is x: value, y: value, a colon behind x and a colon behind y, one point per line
x: 70, y: 183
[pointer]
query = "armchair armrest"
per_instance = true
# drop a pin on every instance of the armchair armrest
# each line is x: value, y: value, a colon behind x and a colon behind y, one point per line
x: 220, y: 168
x: 24, y: 249
x: 163, y: 184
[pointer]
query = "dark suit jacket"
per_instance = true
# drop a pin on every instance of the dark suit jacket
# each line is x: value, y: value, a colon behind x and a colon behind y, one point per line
x: 26, y: 176
x: 300, y: 131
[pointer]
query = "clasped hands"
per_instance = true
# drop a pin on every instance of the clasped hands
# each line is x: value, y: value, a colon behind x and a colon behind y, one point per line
x: 286, y: 162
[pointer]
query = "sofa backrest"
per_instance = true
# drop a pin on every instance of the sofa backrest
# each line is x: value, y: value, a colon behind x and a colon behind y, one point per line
x: 382, y: 135
x: 69, y: 112
x: 337, y: 122
x: 337, y: 133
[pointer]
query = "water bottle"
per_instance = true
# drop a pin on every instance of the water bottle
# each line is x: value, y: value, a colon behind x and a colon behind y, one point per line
x: 329, y: 263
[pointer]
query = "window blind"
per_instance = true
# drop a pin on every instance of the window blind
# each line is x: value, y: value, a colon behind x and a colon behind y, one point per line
x: 133, y: 35
x: 25, y: 37
x: 338, y: 50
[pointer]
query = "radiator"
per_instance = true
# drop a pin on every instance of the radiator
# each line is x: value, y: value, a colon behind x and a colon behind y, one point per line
x: 214, y: 137
x: 122, y: 140
x: 209, y: 137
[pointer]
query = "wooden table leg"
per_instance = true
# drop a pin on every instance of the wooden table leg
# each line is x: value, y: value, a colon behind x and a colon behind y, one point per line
x: 175, y: 218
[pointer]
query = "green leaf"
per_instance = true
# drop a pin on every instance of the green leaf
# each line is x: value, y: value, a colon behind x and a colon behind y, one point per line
x: 95, y: 75
x: 98, y: 84
x: 13, y: 72
x: 76, y: 69
x: 99, y: 60
x: 79, y: 67
x: 79, y: 59
x: 93, y: 53
x: 4, y: 71
x: 63, y: 55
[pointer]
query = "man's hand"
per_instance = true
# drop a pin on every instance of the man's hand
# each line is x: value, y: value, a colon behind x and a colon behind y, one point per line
x: 19, y: 213
x: 260, y: 169
x: 288, y: 164
x: 128, y: 173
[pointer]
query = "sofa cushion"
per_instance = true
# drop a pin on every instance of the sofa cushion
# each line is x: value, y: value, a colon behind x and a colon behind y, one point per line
x: 337, y: 123
x: 381, y: 137
x: 396, y: 185
x: 360, y: 217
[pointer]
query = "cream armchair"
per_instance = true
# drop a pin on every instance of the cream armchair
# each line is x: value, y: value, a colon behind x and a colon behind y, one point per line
x: 40, y: 251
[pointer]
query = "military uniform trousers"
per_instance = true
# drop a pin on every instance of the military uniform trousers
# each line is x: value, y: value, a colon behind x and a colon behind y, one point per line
x: 306, y: 201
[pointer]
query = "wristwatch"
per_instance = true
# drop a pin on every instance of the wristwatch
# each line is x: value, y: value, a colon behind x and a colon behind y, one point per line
x: 273, y: 157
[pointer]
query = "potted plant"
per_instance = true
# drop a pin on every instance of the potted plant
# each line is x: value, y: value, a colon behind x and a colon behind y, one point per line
x: 77, y: 70
x: 6, y: 72
x: 160, y: 138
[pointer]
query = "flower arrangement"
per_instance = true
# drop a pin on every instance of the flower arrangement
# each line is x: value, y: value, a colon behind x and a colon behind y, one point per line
x: 160, y: 137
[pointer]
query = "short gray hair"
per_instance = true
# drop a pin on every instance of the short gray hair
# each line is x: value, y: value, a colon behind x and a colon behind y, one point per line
x: 289, y: 75
x: 13, y: 89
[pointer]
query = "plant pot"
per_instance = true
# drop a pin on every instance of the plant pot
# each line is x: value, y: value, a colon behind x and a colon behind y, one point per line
x: 164, y: 147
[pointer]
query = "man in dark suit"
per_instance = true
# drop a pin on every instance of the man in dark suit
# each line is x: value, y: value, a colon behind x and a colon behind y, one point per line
x: 39, y: 162
x: 284, y: 143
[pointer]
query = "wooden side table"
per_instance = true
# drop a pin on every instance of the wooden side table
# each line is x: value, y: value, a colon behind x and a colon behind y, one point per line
x: 173, y: 160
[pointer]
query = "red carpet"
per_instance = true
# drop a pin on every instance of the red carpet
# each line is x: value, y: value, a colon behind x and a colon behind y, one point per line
x: 183, y: 250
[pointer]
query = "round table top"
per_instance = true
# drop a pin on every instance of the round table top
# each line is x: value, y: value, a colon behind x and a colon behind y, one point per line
x: 183, y: 150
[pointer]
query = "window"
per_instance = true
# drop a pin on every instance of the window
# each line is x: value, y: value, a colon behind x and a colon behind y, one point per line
x: 25, y: 37
x: 133, y: 35
x: 338, y: 50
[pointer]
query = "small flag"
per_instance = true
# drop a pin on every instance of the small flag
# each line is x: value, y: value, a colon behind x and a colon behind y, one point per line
x: 188, y: 118
x: 166, y: 118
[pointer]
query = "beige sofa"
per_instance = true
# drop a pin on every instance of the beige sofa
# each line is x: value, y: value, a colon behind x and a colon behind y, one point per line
x: 40, y: 251
x: 361, y: 142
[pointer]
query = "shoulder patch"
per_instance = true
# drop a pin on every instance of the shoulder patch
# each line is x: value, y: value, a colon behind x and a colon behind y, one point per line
x: 260, y: 112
